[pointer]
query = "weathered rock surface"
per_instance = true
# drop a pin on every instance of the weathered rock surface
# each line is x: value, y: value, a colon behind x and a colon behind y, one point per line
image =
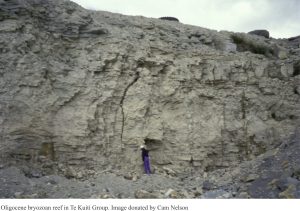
x: 81, y: 90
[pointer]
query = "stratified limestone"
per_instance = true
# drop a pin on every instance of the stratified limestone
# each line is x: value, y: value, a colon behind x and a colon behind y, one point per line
x: 81, y: 90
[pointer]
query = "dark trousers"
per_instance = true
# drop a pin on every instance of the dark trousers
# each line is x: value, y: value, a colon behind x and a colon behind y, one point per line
x: 147, y: 165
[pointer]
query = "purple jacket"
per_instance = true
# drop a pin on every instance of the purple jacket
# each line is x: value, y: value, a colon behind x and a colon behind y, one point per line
x: 145, y: 153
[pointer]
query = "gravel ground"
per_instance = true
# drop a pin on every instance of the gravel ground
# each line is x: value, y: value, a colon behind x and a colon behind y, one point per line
x: 14, y: 184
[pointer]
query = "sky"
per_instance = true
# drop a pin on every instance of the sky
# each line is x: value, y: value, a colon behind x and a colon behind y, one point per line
x: 280, y: 17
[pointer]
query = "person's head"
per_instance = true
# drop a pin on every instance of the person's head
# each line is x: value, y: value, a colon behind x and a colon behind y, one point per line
x: 142, y: 147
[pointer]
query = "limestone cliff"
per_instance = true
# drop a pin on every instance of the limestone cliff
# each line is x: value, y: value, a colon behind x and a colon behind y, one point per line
x: 81, y: 90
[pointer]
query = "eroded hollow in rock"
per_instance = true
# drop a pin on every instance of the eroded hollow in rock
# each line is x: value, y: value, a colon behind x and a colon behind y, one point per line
x: 296, y: 69
x: 47, y: 150
x: 158, y: 153
x: 153, y: 144
x: 296, y: 91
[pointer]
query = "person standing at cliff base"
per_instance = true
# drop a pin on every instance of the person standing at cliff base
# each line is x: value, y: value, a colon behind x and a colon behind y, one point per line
x: 146, y: 159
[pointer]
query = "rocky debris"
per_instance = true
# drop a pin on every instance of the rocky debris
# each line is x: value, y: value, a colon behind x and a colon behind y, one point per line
x: 82, y: 90
x: 271, y: 175
x: 276, y: 173
x: 143, y: 194
x: 132, y: 176
x: 287, y: 182
x: 217, y: 194
x: 197, y: 192
x: 169, y: 171
x: 296, y: 173
x: 18, y: 194
x: 172, y: 194
x: 207, y: 185
x: 261, y: 32
x: 250, y: 177
x: 243, y: 195
x: 106, y: 196
x: 128, y: 177
x: 290, y: 193
x: 72, y: 173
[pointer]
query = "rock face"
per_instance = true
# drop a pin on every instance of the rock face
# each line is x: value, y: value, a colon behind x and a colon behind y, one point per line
x: 81, y: 90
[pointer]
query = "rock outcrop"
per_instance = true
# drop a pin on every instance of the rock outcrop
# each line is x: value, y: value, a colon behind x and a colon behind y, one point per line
x: 81, y: 90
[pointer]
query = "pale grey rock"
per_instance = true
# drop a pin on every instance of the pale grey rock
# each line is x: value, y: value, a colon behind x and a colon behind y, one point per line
x: 171, y: 193
x: 216, y: 194
x: 250, y: 177
x: 169, y: 171
x: 143, y: 194
x: 197, y: 192
x: 83, y: 90
x: 244, y: 195
x: 18, y: 194
x: 230, y: 47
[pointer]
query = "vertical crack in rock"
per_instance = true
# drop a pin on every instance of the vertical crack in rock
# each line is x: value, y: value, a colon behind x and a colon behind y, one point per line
x: 137, y: 76
x: 222, y: 138
x: 191, y: 126
x: 244, y: 119
x: 243, y: 106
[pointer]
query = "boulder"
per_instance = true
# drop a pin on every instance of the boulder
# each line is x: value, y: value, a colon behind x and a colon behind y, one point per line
x: 249, y: 177
x: 169, y: 19
x: 260, y: 32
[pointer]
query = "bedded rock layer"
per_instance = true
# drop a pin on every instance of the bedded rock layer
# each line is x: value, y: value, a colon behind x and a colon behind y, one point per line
x: 81, y: 90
